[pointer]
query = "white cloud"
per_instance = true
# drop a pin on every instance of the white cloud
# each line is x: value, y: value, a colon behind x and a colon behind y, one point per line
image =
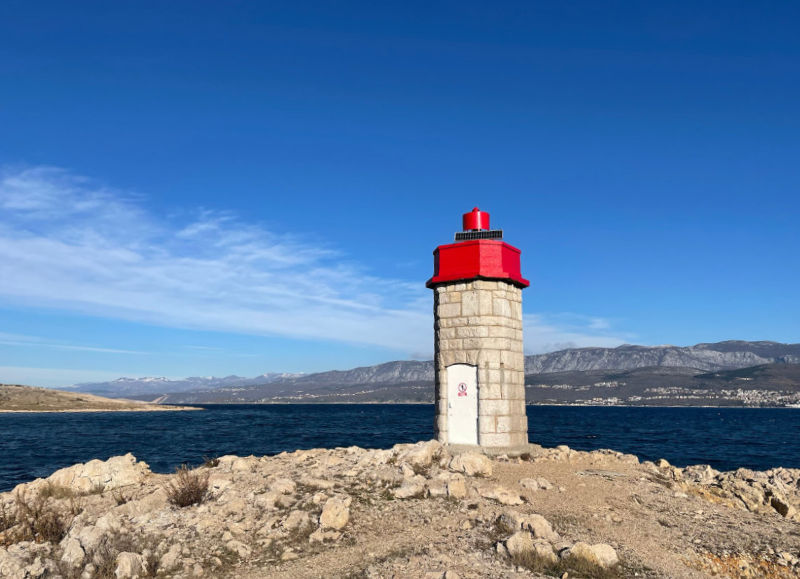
x: 7, y: 339
x: 68, y: 243
x: 548, y: 333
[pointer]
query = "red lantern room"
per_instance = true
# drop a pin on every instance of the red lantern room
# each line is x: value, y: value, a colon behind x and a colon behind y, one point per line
x: 478, y: 253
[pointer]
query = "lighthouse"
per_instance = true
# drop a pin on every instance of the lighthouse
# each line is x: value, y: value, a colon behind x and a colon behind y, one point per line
x: 479, y: 361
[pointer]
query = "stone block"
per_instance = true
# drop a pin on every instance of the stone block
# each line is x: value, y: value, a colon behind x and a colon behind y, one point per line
x: 449, y: 310
x: 501, y: 307
x: 448, y: 333
x: 490, y: 391
x: 495, y: 439
x: 473, y: 331
x: 516, y: 310
x: 512, y: 391
x: 487, y: 424
x: 518, y: 438
x: 485, y: 303
x: 494, y: 408
x: 488, y: 357
x: 485, y: 284
x: 500, y: 293
x: 512, y: 360
x: 472, y: 343
x: 501, y: 332
x: 469, y: 303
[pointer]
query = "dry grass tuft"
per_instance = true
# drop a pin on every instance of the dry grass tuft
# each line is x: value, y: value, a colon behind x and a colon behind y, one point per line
x: 189, y: 488
x: 34, y: 518
x: 570, y: 567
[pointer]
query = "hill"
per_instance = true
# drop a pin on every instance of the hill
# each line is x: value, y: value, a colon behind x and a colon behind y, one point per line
x: 645, y: 370
x: 16, y: 398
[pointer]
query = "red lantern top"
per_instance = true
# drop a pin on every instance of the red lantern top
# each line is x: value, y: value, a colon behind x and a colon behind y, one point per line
x: 479, y: 253
x: 475, y: 219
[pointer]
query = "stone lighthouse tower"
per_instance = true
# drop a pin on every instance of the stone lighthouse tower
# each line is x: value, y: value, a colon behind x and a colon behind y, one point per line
x: 479, y: 363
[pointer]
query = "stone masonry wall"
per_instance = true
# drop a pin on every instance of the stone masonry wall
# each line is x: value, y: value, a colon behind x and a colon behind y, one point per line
x: 480, y: 323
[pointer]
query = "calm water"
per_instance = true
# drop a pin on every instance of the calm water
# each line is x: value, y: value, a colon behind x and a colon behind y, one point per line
x: 34, y: 445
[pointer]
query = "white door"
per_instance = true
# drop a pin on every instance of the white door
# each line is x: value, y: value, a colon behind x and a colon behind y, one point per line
x: 462, y: 404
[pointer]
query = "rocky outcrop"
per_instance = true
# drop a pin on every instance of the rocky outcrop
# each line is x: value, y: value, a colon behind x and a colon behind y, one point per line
x: 412, y: 510
x: 771, y: 491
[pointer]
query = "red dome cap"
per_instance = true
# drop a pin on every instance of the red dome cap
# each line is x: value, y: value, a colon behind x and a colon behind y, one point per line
x: 475, y: 219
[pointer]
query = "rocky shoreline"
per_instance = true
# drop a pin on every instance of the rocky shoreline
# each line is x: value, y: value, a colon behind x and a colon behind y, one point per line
x: 415, y: 510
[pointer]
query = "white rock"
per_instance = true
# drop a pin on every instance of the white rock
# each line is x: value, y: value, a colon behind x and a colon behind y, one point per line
x: 410, y: 489
x: 536, y: 524
x: 129, y: 566
x: 117, y: 471
x: 335, y: 513
x: 601, y: 555
x: 421, y: 455
x: 73, y: 554
x: 472, y: 464
x: 502, y: 495
x: 519, y: 544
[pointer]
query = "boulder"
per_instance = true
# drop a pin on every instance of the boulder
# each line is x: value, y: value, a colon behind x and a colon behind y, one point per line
x: 502, y: 495
x: 472, y: 464
x: 536, y: 524
x: 73, y: 554
x: 421, y: 455
x: 520, y: 544
x: 783, y: 507
x: 600, y: 555
x: 411, y: 488
x: 335, y: 513
x: 129, y: 566
x: 117, y: 471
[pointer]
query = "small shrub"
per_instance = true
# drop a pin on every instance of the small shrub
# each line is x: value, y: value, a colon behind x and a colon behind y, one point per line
x: 38, y: 519
x: 119, y: 498
x: 189, y: 488
x: 104, y: 556
x: 210, y: 461
x: 570, y: 567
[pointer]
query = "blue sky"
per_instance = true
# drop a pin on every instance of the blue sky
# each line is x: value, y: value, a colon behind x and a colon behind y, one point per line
x: 205, y: 188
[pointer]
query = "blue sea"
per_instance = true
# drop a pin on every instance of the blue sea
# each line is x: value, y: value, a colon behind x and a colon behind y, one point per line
x: 35, y: 445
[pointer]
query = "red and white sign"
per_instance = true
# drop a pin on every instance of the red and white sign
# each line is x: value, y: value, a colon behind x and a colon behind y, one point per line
x: 462, y: 389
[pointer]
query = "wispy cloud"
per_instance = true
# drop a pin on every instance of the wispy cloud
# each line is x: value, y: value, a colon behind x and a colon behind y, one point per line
x: 550, y: 332
x: 69, y: 243
x: 39, y: 342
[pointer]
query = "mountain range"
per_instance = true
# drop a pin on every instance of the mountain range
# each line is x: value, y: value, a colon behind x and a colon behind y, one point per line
x: 647, y: 374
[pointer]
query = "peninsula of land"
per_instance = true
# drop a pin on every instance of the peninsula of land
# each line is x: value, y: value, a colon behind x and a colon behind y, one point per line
x: 16, y: 398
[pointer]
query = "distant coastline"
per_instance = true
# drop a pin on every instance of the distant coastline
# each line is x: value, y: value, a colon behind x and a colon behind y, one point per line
x: 152, y: 408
